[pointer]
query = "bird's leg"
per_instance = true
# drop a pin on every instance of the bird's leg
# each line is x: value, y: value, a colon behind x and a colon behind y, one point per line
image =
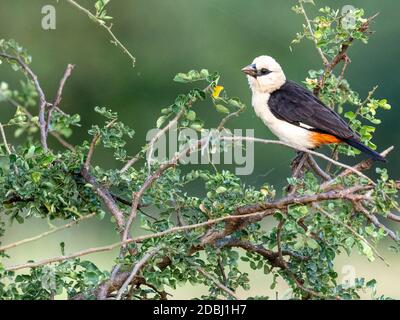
x: 299, y: 165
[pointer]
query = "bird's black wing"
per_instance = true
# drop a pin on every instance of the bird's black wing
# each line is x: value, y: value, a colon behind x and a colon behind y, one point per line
x: 298, y: 106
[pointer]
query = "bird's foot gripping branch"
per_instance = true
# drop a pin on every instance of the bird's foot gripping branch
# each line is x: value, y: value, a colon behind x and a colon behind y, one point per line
x: 209, y: 237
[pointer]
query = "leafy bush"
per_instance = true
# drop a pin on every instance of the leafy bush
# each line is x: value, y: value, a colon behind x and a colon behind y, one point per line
x: 202, y: 238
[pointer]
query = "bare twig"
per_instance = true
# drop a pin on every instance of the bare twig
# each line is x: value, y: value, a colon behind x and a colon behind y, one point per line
x: 299, y: 165
x: 58, y: 98
x: 45, y: 234
x: 279, y: 242
x: 42, y: 98
x: 354, y: 232
x: 136, y: 269
x: 121, y: 243
x: 93, y: 145
x: 393, y: 217
x: 367, y: 99
x: 310, y: 29
x: 107, y: 287
x: 106, y: 27
x: 374, y: 220
x: 43, y: 125
x: 3, y: 136
x: 105, y: 194
x: 229, y: 117
x: 61, y: 140
x: 362, y: 166
x: 159, y: 134
x: 149, y: 146
x: 163, y: 167
x: 218, y: 284
x: 314, y: 165
x: 102, y: 191
x: 346, y: 61
x: 334, y: 156
x: 270, y: 255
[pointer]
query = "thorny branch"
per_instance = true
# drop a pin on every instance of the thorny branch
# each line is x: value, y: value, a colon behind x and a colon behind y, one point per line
x: 42, y: 98
x: 236, y: 221
x: 218, y: 284
x: 102, y: 24
x: 45, y: 234
x: 3, y: 136
x: 310, y: 29
x: 107, y: 198
x: 43, y: 103
x: 150, y: 145
x: 61, y: 140
x: 58, y: 98
x: 136, y: 269
x: 340, y: 56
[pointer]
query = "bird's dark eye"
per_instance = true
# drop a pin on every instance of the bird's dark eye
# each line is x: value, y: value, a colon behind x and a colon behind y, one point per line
x: 264, y: 71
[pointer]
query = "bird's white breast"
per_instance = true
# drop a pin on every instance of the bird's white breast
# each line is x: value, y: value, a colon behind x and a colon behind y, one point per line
x: 286, y: 132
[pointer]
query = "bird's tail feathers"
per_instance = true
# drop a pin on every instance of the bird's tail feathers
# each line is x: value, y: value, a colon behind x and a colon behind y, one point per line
x: 363, y: 148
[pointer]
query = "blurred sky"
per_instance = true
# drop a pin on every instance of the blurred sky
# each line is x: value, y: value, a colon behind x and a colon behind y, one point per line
x: 171, y: 36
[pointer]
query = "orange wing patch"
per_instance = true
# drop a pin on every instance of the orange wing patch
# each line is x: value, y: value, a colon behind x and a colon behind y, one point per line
x: 323, y: 138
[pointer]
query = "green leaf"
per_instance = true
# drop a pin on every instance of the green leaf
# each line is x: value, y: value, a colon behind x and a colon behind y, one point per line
x: 160, y: 121
x: 367, y: 251
x: 350, y: 115
x: 313, y: 244
x: 36, y: 176
x: 222, y: 109
x: 197, y: 125
x: 181, y: 77
x: 220, y: 190
x: 31, y: 152
x: 47, y: 160
x: 191, y: 115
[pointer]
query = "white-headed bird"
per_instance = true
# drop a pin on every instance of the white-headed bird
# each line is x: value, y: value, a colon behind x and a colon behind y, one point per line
x: 294, y: 114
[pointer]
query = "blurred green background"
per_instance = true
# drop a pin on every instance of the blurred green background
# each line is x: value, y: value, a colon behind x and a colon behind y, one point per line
x: 171, y: 36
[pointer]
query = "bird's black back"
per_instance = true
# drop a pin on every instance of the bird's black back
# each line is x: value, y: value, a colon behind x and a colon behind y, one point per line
x: 297, y: 105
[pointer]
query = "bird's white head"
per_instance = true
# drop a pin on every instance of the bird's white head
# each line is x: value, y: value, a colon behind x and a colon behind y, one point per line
x: 265, y: 75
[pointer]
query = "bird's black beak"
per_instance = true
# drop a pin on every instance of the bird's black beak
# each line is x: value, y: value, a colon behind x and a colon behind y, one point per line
x: 250, y: 70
